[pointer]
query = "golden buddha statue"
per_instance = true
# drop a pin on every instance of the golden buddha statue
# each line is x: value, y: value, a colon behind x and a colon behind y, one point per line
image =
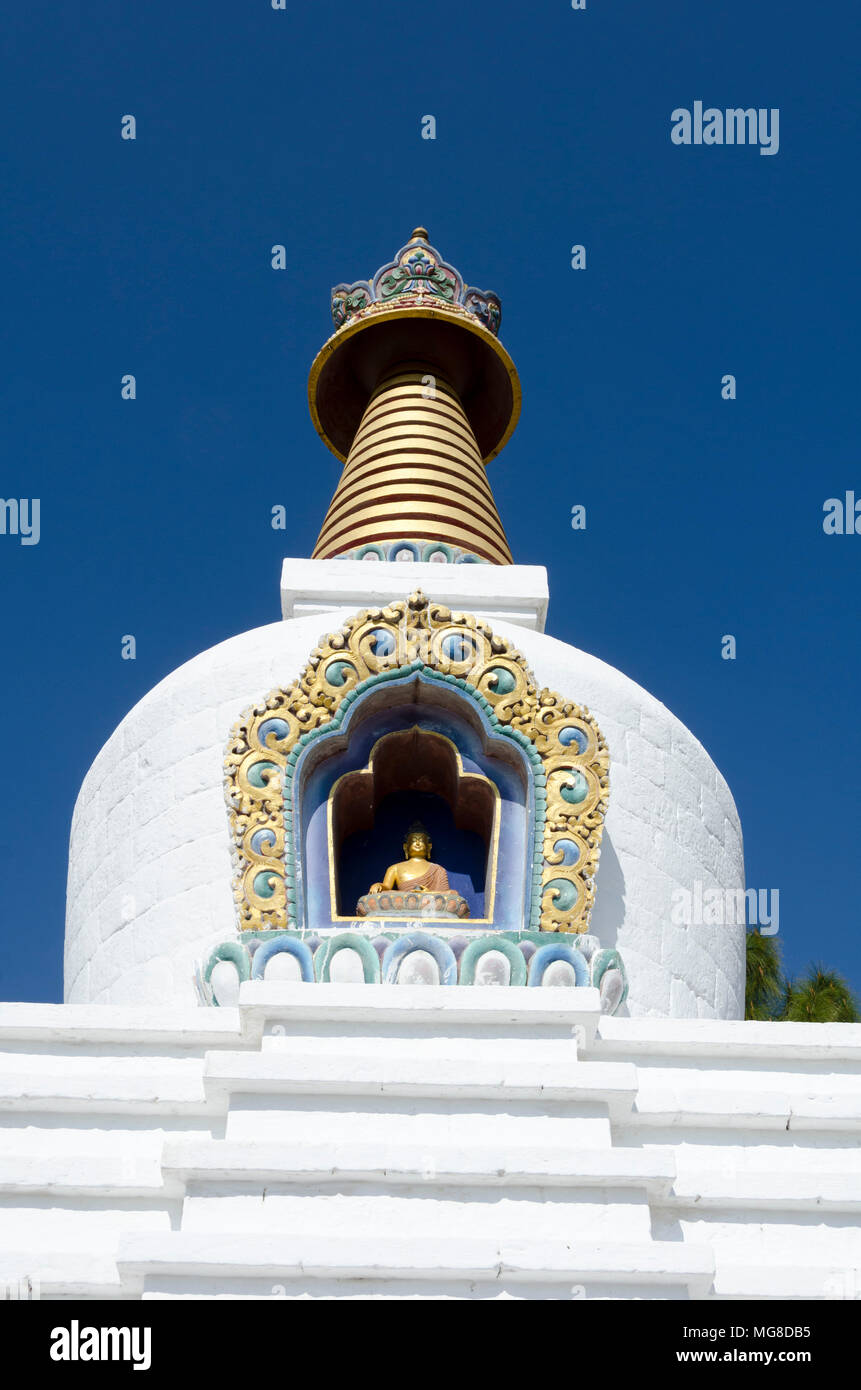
x: 416, y: 872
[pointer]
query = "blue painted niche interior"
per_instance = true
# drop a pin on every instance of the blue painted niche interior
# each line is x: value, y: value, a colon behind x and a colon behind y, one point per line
x: 362, y: 852
x: 366, y: 854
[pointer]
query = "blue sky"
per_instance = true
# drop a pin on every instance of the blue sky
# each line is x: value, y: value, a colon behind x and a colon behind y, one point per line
x: 257, y: 127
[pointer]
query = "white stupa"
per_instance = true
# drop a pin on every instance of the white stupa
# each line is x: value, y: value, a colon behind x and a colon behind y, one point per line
x: 280, y: 1070
x: 417, y: 394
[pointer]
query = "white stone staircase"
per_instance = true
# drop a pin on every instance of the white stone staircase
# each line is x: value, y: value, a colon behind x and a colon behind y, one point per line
x: 406, y: 1142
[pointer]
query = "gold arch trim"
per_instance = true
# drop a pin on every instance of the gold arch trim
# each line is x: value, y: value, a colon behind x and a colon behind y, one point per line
x: 569, y: 753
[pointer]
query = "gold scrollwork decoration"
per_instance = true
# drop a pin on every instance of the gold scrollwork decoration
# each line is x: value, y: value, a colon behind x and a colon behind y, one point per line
x: 568, y: 751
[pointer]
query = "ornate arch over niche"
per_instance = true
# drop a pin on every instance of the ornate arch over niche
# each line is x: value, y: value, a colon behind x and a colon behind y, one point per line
x: 564, y: 747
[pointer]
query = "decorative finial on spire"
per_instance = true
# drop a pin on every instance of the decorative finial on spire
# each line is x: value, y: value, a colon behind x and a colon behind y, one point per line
x: 416, y: 308
x: 417, y: 274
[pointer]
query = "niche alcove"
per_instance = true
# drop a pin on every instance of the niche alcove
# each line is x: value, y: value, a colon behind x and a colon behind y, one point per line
x: 415, y: 774
x: 414, y: 750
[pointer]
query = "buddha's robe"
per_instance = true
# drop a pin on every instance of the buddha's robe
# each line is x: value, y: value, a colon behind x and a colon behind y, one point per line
x: 433, y: 880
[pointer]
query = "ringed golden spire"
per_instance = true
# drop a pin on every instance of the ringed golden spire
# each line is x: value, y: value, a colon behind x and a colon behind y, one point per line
x: 415, y: 393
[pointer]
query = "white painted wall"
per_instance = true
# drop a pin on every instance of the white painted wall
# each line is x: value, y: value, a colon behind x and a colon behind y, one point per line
x: 149, y: 889
x: 387, y: 1141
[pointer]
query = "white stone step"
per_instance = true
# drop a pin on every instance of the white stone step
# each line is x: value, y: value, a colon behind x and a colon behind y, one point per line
x: 456, y: 1080
x: 425, y: 1047
x: 635, y: 1039
x: 785, y: 1281
x: 418, y: 1211
x: 84, y: 1175
x: 775, y: 1191
x: 59, y: 1274
x: 133, y: 1028
x: 427, y: 1123
x: 198, y: 1258
x: 193, y: 1162
x: 149, y: 1091
x: 703, y: 1104
x: 518, y: 1012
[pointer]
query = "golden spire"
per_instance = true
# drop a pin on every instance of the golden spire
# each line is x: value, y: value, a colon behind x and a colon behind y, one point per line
x: 416, y: 393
